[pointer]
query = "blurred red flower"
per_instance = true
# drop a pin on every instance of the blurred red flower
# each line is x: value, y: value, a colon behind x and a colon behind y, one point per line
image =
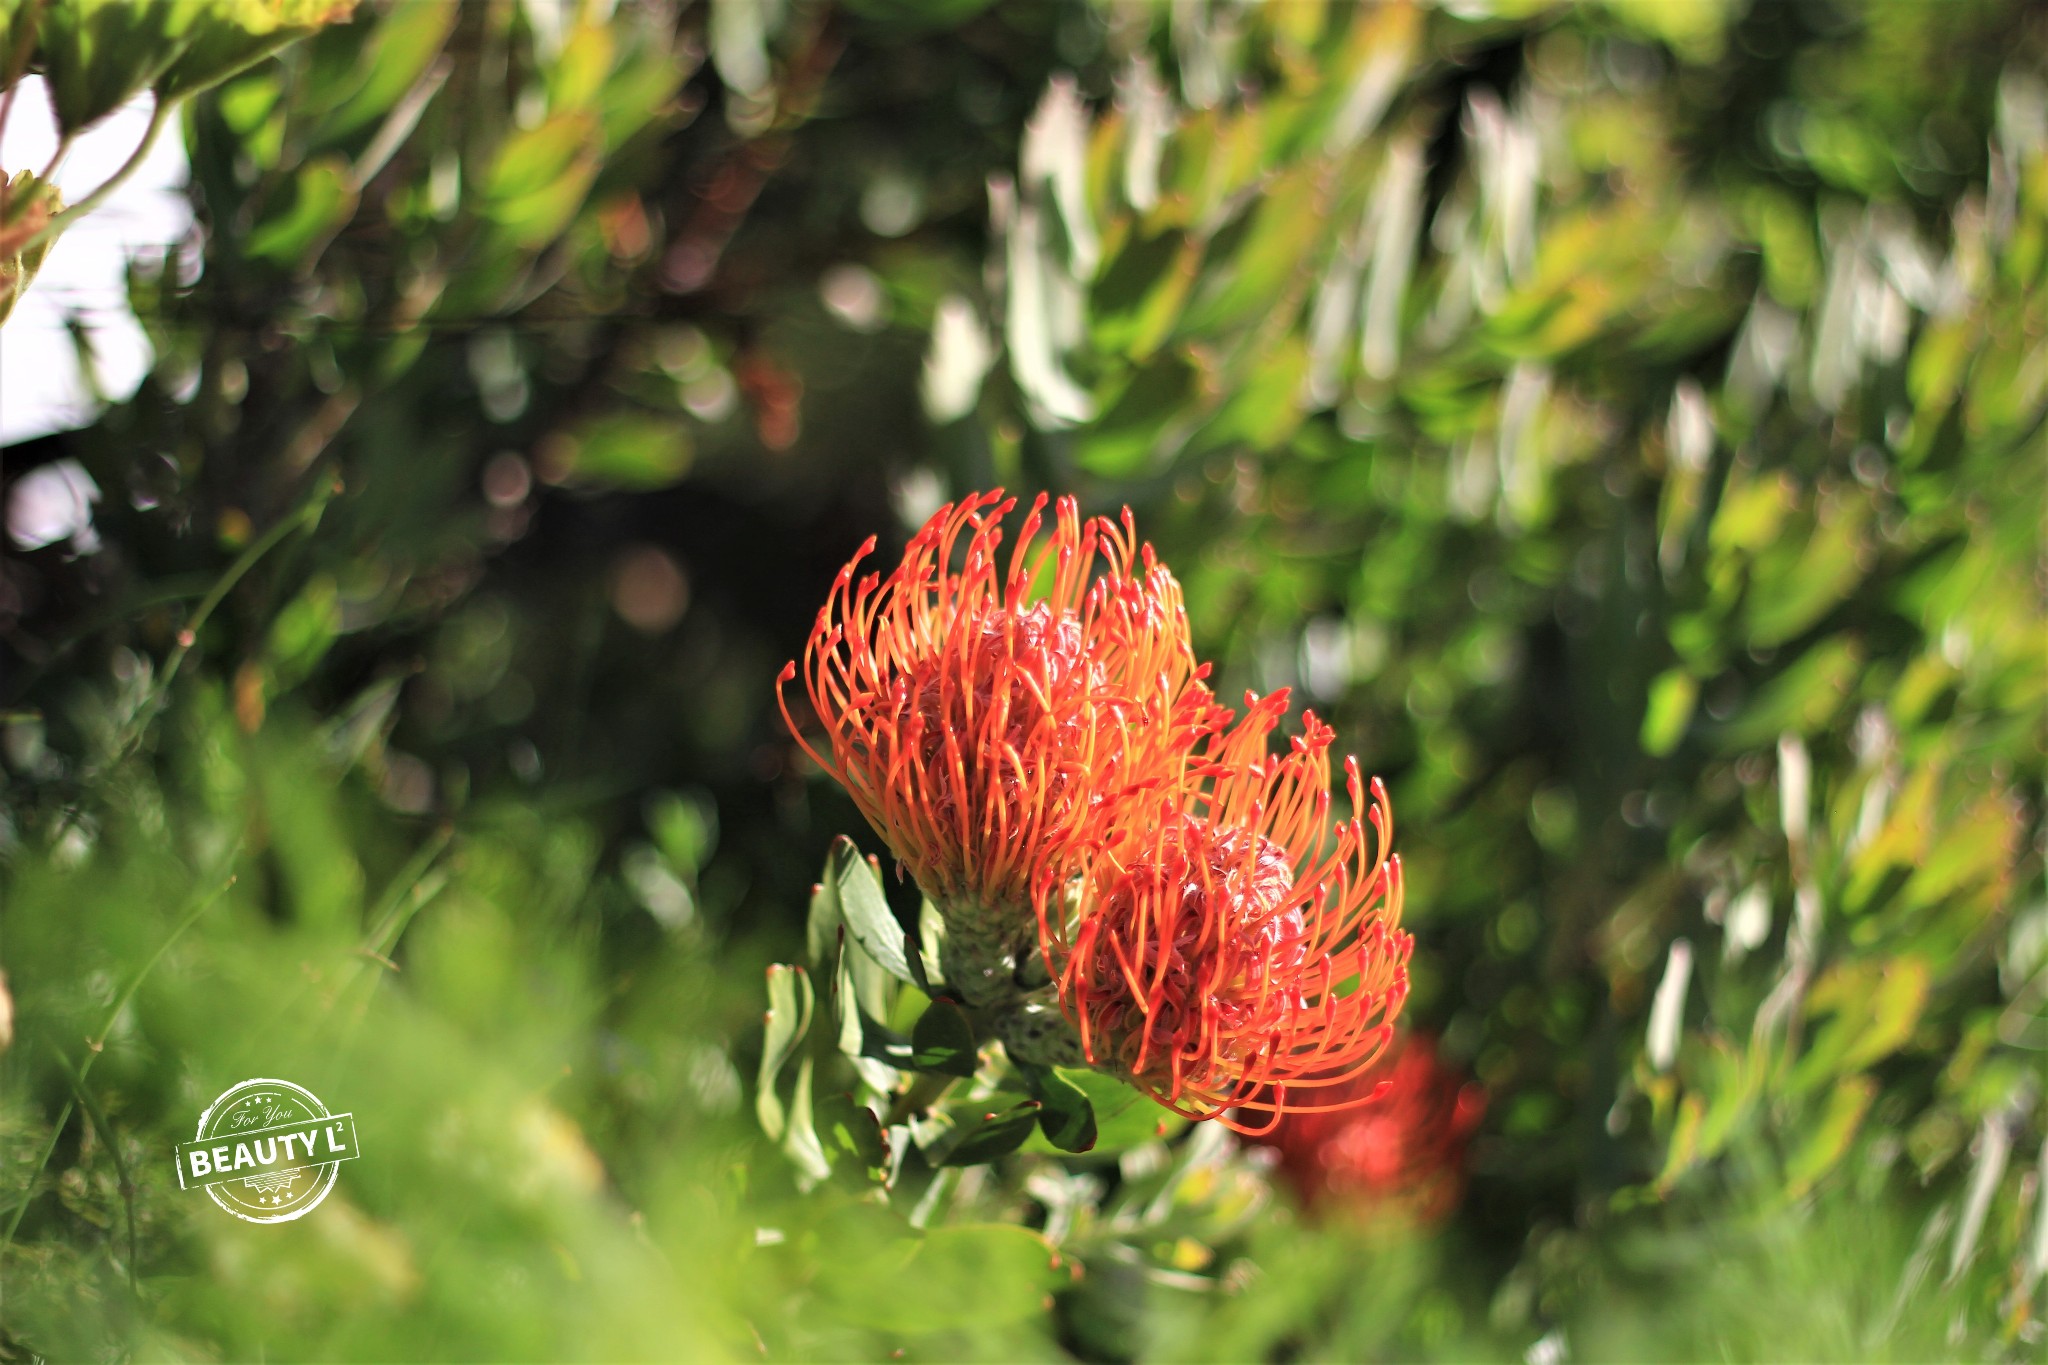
x: 1401, y: 1150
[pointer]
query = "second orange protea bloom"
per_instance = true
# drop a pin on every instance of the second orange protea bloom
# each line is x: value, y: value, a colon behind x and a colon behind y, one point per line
x: 1401, y: 1153
x: 980, y: 711
x: 1217, y: 947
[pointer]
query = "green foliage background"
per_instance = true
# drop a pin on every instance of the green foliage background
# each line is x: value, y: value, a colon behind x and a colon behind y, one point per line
x: 1623, y: 421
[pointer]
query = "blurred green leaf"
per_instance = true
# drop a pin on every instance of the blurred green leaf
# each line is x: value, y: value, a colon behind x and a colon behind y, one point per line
x: 1672, y: 694
x: 628, y: 450
x: 541, y: 176
x: 1875, y: 1006
x: 99, y: 54
x: 324, y: 198
x: 1828, y: 1141
x: 1802, y: 698
x: 227, y: 36
x: 303, y: 632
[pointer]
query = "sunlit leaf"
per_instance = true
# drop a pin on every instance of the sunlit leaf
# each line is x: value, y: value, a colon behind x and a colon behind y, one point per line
x: 1828, y: 1140
x: 323, y: 200
x: 541, y: 176
x: 788, y: 1019
x: 865, y: 910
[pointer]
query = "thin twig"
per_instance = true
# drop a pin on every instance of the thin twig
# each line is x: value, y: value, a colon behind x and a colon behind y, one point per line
x: 100, y: 1125
x: 57, y: 157
x: 158, y: 117
x: 401, y: 901
x: 306, y: 516
x: 399, y: 123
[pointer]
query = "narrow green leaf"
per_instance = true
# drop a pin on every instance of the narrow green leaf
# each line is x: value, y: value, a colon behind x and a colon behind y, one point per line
x: 1671, y: 701
x: 788, y: 1019
x: 1830, y: 1137
x: 993, y: 1133
x: 913, y: 957
x: 857, y: 1003
x: 848, y: 1129
x: 846, y: 1004
x: 324, y: 199
x: 931, y: 941
x: 801, y: 1143
x: 1068, y: 1119
x: 866, y: 911
x: 303, y: 631
x: 821, y: 930
x: 630, y: 450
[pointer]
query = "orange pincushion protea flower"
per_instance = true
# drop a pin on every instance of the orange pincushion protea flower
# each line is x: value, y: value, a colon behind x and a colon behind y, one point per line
x: 1210, y: 941
x: 980, y: 714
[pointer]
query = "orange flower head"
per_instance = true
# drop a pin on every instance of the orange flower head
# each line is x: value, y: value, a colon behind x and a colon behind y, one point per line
x: 979, y: 712
x: 1214, y: 944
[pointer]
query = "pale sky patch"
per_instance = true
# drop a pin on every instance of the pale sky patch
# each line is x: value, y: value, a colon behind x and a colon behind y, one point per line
x: 41, y: 387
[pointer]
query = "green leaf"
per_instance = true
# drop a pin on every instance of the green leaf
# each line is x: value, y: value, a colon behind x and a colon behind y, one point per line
x: 984, y: 1272
x: 790, y: 1001
x: 540, y: 177
x: 1876, y: 1006
x: 913, y: 957
x: 860, y: 996
x: 865, y: 910
x: 1672, y: 695
x: 227, y: 36
x: 822, y: 926
x: 325, y: 199
x: 990, y: 1133
x: 1799, y: 589
x: 1830, y: 1138
x: 304, y: 630
x: 849, y: 1129
x: 685, y: 829
x: 1068, y: 1119
x: 877, y: 1273
x: 801, y: 1144
x: 99, y: 54
x: 1803, y: 698
x: 846, y: 1005
x: 930, y: 951
x: 628, y: 450
x: 943, y: 1041
x: 1124, y: 1117
x: 394, y: 54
